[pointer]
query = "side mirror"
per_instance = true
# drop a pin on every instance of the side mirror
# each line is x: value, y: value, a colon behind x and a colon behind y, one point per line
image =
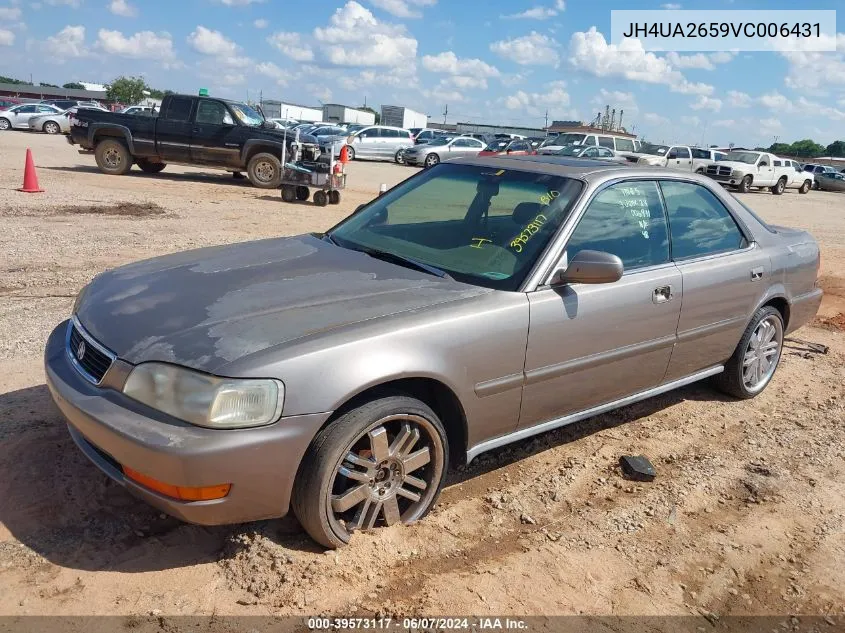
x: 590, y: 267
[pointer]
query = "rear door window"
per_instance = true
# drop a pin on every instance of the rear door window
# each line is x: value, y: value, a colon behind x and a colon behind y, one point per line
x: 624, y: 145
x: 179, y: 109
x: 606, y: 141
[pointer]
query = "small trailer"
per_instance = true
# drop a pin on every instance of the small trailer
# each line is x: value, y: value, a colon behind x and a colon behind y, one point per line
x: 298, y: 182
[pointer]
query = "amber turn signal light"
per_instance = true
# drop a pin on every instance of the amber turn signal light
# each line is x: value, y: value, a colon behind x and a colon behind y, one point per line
x: 183, y: 493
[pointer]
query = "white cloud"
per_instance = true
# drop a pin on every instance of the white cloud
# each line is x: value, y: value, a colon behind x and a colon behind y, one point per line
x: 699, y: 60
x: 737, y: 99
x: 529, y: 50
x: 810, y: 70
x: 260, y: 23
x: 538, y: 12
x: 553, y: 98
x: 269, y: 69
x: 655, y: 119
x: 291, y: 45
x: 768, y: 126
x: 69, y: 42
x: 141, y: 45
x: 707, y: 103
x: 320, y: 91
x: 442, y: 93
x: 724, y: 123
x: 7, y: 38
x: 209, y: 42
x: 776, y: 101
x: 10, y: 14
x: 670, y: 6
x: 403, y: 8
x: 722, y: 57
x: 354, y: 37
x: 67, y: 3
x: 617, y: 99
x: 450, y: 64
x: 123, y: 8
x: 692, y: 121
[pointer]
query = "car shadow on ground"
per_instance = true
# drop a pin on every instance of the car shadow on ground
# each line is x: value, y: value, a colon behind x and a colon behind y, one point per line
x: 62, y: 508
x: 218, y: 177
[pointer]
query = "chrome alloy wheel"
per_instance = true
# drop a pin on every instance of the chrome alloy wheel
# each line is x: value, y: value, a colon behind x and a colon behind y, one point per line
x: 390, y: 473
x: 762, y: 354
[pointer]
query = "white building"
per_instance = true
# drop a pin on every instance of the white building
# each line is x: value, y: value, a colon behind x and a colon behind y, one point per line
x: 93, y: 87
x: 336, y: 113
x: 399, y: 116
x: 283, y: 110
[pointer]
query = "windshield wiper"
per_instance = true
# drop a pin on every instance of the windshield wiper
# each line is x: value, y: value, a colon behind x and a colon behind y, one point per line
x: 404, y: 260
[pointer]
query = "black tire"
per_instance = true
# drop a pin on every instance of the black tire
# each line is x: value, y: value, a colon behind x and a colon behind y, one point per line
x: 321, y: 199
x: 431, y: 160
x: 334, y: 196
x: 265, y: 171
x: 113, y: 157
x: 149, y: 166
x: 51, y: 127
x: 745, y: 185
x: 288, y: 193
x: 732, y: 381
x: 816, y: 185
x: 350, y: 152
x: 399, y: 157
x: 779, y: 187
x: 318, y: 475
x: 805, y: 187
x: 5, y: 124
x: 302, y: 193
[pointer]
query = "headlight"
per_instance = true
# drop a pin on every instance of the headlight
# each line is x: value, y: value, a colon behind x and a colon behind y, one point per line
x: 736, y: 173
x: 204, y: 400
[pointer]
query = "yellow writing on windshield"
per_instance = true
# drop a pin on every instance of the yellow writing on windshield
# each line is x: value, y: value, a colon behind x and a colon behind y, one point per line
x: 530, y: 229
x: 479, y: 242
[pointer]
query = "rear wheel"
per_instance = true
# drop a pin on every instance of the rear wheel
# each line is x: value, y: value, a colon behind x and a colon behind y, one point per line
x: 431, y: 160
x: 745, y: 185
x: 379, y: 464
x: 265, y: 171
x: 302, y: 193
x: 149, y: 166
x: 700, y: 170
x: 334, y: 196
x: 320, y: 198
x: 779, y: 186
x: 400, y: 157
x: 350, y: 152
x: 51, y: 127
x: 5, y: 124
x: 805, y: 187
x: 753, y: 363
x: 288, y: 193
x: 113, y: 157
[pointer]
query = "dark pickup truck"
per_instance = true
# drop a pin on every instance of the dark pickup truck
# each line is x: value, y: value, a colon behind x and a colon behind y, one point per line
x: 191, y: 130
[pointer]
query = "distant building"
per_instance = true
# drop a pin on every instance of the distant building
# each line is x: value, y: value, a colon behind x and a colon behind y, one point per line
x: 93, y: 87
x: 578, y: 127
x: 483, y: 128
x: 399, y: 116
x: 28, y: 91
x: 337, y: 113
x: 283, y: 110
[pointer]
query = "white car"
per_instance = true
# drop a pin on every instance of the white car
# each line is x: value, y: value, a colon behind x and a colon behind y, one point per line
x: 744, y: 169
x: 17, y: 117
x: 683, y: 157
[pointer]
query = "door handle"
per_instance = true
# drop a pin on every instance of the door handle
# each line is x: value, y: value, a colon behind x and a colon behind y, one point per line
x: 196, y: 130
x: 756, y: 273
x: 663, y: 294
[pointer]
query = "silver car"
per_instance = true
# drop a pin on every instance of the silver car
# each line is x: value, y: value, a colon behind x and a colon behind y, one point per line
x: 475, y: 304
x: 381, y: 142
x: 441, y: 148
x: 593, y: 152
x: 17, y: 117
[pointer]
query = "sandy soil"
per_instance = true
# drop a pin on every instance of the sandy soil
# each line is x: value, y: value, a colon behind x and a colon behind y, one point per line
x: 746, y: 515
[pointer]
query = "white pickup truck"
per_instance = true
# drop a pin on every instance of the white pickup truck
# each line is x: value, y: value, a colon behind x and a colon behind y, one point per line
x: 744, y: 169
x: 683, y: 157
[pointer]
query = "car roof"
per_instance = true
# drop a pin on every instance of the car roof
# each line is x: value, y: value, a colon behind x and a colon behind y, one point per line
x: 559, y: 165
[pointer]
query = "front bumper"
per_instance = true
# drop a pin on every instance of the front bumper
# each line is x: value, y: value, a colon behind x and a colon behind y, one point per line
x: 113, y: 430
x: 414, y: 159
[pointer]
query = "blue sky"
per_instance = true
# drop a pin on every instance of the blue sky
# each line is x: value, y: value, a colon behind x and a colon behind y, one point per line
x: 494, y: 61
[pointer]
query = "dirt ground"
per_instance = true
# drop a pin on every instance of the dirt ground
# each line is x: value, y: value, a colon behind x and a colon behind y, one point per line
x: 746, y: 515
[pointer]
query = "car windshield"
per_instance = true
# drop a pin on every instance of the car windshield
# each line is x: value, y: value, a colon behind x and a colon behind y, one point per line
x: 328, y: 131
x: 569, y: 139
x: 246, y: 114
x: 439, y: 140
x: 479, y: 225
x: 743, y: 157
x: 571, y: 150
x: 655, y: 150
x: 497, y: 146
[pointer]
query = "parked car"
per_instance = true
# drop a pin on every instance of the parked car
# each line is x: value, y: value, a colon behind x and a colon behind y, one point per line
x: 193, y: 130
x: 622, y: 145
x: 284, y: 123
x: 744, y: 169
x: 590, y: 151
x: 509, y: 147
x: 17, y: 117
x: 427, y: 134
x: 828, y: 181
x: 484, y: 138
x: 67, y: 104
x: 8, y: 102
x: 818, y: 170
x: 139, y: 110
x: 683, y: 157
x: 439, y: 149
x: 380, y: 142
x: 340, y: 375
x: 53, y: 123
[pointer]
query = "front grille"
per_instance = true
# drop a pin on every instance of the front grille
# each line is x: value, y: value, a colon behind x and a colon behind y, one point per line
x: 718, y: 170
x: 89, y: 357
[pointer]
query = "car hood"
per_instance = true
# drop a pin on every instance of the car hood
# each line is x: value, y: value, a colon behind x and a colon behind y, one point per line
x: 733, y: 164
x: 209, y: 307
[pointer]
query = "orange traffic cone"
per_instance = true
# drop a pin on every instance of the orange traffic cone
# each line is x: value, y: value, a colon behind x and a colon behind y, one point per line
x: 344, y: 155
x: 30, y: 178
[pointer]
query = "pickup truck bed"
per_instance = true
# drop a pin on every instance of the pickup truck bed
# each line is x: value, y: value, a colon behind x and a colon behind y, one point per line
x: 192, y: 130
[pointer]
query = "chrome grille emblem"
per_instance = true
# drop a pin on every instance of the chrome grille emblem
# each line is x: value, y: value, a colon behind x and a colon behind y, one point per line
x: 80, y: 350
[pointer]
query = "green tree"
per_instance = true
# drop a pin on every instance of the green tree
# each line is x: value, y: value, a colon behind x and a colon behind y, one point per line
x: 780, y: 148
x: 806, y: 148
x: 73, y: 85
x: 11, y: 80
x: 837, y: 148
x: 46, y: 85
x: 128, y: 90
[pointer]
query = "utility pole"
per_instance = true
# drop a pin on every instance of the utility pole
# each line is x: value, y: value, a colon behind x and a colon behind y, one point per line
x: 445, y: 112
x: 547, y: 119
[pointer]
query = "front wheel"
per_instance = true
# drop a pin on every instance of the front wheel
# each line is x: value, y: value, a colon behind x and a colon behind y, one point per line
x: 334, y: 196
x: 302, y: 193
x: 431, y: 160
x: 700, y: 171
x: 745, y: 185
x: 350, y: 152
x: 753, y: 363
x: 779, y: 187
x: 321, y: 199
x: 377, y: 465
x: 805, y: 187
x: 51, y: 127
x: 5, y: 124
x: 265, y: 171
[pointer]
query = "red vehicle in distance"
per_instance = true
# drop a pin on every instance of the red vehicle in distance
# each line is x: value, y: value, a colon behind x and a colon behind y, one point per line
x: 509, y: 147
